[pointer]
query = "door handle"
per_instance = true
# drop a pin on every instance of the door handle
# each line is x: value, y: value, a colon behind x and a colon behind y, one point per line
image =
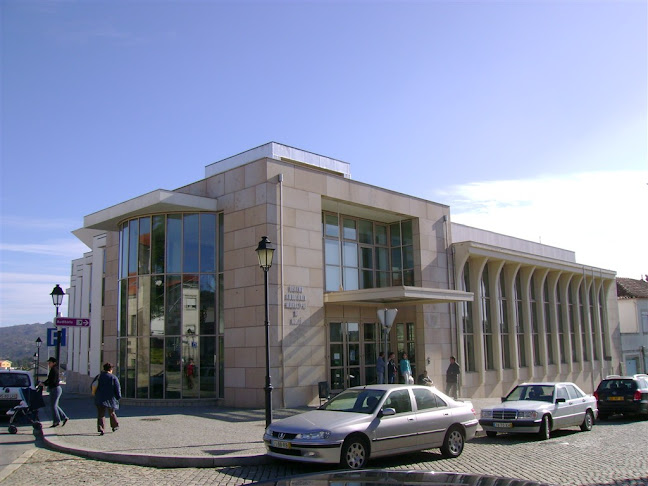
x: 410, y: 419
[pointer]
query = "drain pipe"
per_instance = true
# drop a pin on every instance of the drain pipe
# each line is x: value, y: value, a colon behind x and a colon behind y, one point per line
x: 281, y: 287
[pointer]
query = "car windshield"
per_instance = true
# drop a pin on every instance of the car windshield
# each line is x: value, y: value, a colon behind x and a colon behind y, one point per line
x: 358, y: 401
x: 621, y: 385
x: 543, y: 393
x: 14, y: 379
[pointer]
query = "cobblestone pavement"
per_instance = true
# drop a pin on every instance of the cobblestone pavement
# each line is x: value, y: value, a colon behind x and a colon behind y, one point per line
x: 613, y: 453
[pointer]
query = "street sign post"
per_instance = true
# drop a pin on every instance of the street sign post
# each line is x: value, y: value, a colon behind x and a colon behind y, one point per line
x: 72, y: 321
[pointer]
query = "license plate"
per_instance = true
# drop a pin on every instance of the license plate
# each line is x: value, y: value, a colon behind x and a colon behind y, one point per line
x: 503, y: 425
x: 9, y: 396
x: 617, y: 399
x: 281, y: 444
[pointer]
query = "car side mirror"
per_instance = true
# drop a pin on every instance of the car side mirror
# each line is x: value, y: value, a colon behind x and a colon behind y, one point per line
x: 385, y: 412
x: 560, y: 400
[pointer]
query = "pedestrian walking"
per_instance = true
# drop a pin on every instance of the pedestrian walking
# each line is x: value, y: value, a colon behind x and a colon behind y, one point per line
x: 380, y: 368
x: 392, y: 372
x: 52, y: 382
x: 107, y: 398
x: 406, y: 370
x: 452, y: 374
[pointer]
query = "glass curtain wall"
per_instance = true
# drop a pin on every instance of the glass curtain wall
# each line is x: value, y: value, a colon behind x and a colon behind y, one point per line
x: 362, y: 254
x: 171, y: 308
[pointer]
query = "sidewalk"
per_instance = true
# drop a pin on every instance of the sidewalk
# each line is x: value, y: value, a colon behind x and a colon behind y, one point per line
x: 182, y: 436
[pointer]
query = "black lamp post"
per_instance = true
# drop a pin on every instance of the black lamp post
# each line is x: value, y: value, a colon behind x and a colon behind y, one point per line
x: 38, y: 345
x: 265, y: 252
x: 57, y: 299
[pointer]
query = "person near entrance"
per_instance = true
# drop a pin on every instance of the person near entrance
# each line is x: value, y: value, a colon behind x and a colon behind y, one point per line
x: 380, y: 368
x: 452, y: 374
x: 424, y: 379
x: 392, y: 370
x: 406, y: 370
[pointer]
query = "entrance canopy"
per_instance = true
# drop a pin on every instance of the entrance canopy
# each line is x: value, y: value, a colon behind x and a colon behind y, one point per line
x: 397, y: 295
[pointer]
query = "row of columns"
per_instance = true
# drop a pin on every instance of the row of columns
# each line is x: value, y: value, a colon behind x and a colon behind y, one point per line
x: 590, y: 324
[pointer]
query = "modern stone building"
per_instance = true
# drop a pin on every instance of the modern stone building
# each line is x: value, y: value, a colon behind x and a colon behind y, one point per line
x: 173, y: 276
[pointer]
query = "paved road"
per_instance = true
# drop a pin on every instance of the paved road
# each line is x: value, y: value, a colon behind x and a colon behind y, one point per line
x: 613, y: 453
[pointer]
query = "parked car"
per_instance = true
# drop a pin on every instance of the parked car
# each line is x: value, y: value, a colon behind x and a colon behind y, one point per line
x: 622, y: 394
x: 11, y: 381
x: 540, y: 408
x: 374, y: 421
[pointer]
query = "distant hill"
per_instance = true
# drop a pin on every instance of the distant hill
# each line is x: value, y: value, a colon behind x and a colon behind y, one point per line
x: 18, y: 343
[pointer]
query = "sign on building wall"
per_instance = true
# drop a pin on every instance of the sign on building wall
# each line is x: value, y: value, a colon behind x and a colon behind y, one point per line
x: 295, y: 301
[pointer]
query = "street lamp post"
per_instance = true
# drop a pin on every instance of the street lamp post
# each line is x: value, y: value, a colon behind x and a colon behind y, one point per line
x: 38, y: 345
x: 57, y: 299
x: 265, y: 252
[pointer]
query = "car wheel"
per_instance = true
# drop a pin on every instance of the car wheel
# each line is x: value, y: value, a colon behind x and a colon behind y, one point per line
x: 588, y: 421
x: 13, y: 429
x: 491, y: 433
x: 545, y: 428
x: 355, y: 453
x: 453, y: 443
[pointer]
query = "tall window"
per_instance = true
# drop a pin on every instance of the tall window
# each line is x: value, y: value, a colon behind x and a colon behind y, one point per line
x: 505, y: 335
x: 519, y: 324
x: 171, y: 307
x: 583, y: 322
x: 597, y: 355
x: 362, y: 254
x: 535, y: 339
x: 562, y: 341
x: 487, y: 327
x: 467, y: 321
x: 548, y: 323
x: 604, y: 324
x: 572, y: 321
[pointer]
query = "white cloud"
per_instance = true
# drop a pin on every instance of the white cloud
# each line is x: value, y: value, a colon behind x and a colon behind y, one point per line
x: 599, y: 215
x: 69, y: 248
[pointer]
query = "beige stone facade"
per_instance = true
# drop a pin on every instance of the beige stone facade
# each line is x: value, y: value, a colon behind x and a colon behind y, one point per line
x: 285, y: 198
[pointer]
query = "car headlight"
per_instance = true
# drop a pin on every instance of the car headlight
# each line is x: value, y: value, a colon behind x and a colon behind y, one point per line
x: 528, y: 414
x: 486, y: 414
x: 320, y: 434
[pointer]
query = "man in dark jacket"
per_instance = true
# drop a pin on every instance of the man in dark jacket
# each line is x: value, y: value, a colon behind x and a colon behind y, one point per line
x: 107, y: 398
x: 452, y: 373
x: 392, y: 370
x: 55, y: 390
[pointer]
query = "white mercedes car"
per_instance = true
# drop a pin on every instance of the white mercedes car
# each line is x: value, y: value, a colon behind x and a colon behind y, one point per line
x: 374, y: 421
x: 540, y: 408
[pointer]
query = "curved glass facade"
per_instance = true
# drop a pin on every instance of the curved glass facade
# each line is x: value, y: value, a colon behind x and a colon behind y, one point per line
x: 171, y: 307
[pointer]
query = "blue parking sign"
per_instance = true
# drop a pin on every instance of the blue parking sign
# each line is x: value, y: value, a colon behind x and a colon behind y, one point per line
x: 51, y: 337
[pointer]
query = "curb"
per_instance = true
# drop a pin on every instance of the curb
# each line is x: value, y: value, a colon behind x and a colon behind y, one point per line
x: 163, y: 462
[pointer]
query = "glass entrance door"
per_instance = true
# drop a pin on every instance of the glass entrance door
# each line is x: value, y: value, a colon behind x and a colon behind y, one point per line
x: 352, y: 354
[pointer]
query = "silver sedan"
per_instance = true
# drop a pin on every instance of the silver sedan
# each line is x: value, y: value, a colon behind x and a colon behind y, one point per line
x: 374, y: 421
x: 540, y: 408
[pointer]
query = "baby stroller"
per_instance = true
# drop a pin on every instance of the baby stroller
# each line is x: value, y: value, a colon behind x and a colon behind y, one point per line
x: 27, y: 410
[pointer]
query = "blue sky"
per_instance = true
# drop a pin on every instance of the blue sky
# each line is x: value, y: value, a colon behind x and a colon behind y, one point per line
x: 528, y: 118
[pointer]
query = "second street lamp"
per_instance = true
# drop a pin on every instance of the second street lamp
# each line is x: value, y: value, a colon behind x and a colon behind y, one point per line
x: 38, y: 345
x: 57, y: 299
x: 265, y: 252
